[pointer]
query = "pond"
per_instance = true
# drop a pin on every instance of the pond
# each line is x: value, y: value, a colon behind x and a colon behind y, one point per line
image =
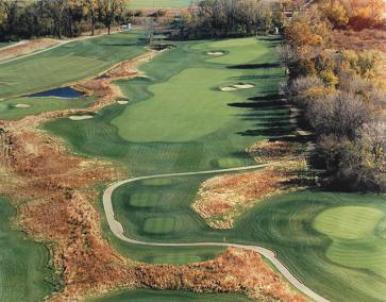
x: 62, y: 92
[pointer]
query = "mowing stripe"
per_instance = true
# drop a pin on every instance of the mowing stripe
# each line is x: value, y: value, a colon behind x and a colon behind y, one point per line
x: 118, y: 231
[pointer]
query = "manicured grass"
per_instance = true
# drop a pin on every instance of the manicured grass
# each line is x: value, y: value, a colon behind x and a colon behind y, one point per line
x: 147, y: 295
x: 24, y: 265
x: 159, y: 225
x: 10, y: 111
x: 348, y: 222
x: 332, y: 242
x: 321, y: 237
x: 178, y: 120
x: 141, y: 4
x: 354, y: 234
x: 67, y: 63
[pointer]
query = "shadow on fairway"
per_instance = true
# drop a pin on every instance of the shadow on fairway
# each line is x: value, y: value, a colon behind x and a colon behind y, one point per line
x: 255, y: 66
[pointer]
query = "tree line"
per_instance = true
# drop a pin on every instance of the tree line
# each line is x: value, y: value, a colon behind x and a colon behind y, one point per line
x: 220, y: 18
x: 342, y: 93
x: 58, y: 18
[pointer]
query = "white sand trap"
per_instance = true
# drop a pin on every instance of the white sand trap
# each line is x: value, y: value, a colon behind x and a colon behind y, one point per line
x: 215, y: 53
x: 22, y: 106
x: 123, y: 102
x: 228, y: 88
x: 243, y: 86
x: 80, y: 117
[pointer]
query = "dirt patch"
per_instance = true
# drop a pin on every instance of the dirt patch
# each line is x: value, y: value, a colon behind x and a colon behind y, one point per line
x: 222, y: 199
x: 26, y: 47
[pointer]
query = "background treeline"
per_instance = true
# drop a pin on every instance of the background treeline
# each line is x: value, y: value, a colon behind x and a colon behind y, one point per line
x: 219, y: 18
x: 35, y: 18
x: 342, y: 93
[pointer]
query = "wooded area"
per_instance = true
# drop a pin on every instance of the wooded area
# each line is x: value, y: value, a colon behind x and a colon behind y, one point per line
x: 69, y: 18
x: 341, y: 91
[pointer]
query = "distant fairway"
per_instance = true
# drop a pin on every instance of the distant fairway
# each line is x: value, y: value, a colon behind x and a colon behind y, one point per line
x: 147, y: 295
x: 141, y: 4
x: 67, y: 63
x: 24, y: 271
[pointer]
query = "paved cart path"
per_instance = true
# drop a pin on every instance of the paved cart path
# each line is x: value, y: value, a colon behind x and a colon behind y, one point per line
x: 118, y: 231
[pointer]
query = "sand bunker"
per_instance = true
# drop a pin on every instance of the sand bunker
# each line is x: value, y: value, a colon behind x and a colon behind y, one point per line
x: 243, y: 86
x: 80, y: 117
x: 237, y: 87
x: 228, y: 88
x: 216, y: 53
x: 22, y: 106
x: 123, y: 102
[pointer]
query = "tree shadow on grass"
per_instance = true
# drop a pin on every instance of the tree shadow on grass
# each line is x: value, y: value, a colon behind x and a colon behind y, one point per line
x: 255, y: 66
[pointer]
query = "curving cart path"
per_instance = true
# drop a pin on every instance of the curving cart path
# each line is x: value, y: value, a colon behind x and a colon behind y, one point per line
x: 118, y: 231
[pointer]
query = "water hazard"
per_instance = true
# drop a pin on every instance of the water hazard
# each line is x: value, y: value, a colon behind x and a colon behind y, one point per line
x: 62, y: 92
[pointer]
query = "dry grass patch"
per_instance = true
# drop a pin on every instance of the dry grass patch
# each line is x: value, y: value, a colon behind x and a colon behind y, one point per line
x: 224, y: 198
x: 26, y: 47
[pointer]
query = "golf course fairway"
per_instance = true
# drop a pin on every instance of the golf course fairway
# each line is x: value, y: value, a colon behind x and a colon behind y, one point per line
x: 176, y: 121
x: 24, y: 264
x: 67, y: 63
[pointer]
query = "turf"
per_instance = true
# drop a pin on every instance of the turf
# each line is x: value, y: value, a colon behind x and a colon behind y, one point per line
x: 24, y: 265
x: 178, y: 120
x: 334, y: 243
x: 355, y: 242
x: 144, y: 295
x: 9, y: 111
x: 67, y: 63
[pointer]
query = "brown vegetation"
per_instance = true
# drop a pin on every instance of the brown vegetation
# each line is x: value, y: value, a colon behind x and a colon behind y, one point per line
x: 26, y: 47
x: 223, y: 198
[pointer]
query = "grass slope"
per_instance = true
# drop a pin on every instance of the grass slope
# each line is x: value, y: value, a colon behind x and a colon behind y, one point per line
x: 144, y: 295
x: 67, y: 63
x: 24, y: 271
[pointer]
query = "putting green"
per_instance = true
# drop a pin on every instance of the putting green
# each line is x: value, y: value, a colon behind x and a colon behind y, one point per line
x: 348, y: 222
x: 355, y: 243
x: 24, y: 265
x: 147, y: 295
